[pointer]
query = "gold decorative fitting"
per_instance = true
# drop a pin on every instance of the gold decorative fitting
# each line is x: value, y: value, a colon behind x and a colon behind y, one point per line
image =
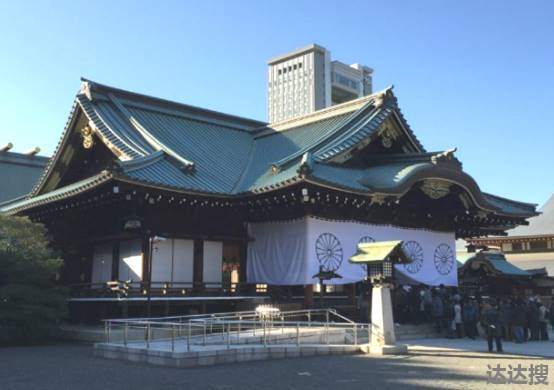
x: 481, y: 214
x: 435, y: 189
x: 386, y: 141
x: 388, y: 135
x: 88, y: 139
x: 378, y: 199
x: 379, y: 100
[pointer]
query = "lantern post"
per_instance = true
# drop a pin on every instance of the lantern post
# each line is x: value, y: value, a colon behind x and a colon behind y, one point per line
x: 380, y: 258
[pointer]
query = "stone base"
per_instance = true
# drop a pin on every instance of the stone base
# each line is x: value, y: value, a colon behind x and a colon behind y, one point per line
x: 375, y: 349
x: 210, y: 356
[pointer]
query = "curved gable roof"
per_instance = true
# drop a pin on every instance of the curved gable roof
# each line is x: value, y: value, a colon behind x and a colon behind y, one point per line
x: 173, y: 145
x: 542, y: 224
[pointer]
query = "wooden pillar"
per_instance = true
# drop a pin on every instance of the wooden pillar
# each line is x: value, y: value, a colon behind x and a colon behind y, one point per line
x: 146, y: 265
x: 242, y: 262
x: 115, y: 261
x: 198, y: 265
x: 146, y: 260
x: 244, y: 286
x: 308, y: 296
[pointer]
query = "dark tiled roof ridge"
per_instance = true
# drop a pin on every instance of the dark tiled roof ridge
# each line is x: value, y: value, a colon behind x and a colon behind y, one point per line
x: 153, y: 99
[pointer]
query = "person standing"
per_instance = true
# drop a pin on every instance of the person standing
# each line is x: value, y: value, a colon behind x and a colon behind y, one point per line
x: 505, y: 309
x: 458, y: 318
x: 448, y: 317
x: 493, y: 326
x: 428, y: 303
x: 533, y: 319
x: 543, y: 322
x: 437, y: 311
x: 363, y: 303
x: 469, y: 314
x: 421, y: 305
x: 551, y: 315
x: 519, y: 320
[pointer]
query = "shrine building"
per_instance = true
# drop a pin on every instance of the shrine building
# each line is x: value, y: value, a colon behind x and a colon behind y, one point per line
x: 158, y: 202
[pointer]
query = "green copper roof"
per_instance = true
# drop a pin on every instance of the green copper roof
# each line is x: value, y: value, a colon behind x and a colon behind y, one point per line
x: 494, y: 262
x: 18, y: 174
x: 168, y: 144
x: 540, y: 225
x: 372, y: 252
x: 61, y: 193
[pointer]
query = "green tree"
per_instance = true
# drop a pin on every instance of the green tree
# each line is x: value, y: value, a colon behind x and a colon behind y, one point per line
x: 31, y: 305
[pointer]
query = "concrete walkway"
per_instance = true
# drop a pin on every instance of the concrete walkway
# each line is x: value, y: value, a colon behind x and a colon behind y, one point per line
x: 543, y: 349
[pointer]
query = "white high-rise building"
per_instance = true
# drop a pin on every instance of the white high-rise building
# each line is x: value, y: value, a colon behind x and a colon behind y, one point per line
x: 306, y: 80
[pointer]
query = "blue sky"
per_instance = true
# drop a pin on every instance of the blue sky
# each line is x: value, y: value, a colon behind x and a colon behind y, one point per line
x: 477, y: 75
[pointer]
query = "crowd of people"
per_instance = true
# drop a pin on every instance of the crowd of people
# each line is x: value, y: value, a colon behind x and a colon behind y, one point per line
x: 456, y: 315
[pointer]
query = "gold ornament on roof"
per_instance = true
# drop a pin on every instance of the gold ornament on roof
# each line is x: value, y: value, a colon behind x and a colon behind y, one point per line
x: 88, y: 139
x: 435, y: 189
x: 386, y: 140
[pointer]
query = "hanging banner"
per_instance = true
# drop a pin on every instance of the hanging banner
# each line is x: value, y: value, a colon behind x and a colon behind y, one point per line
x: 291, y: 252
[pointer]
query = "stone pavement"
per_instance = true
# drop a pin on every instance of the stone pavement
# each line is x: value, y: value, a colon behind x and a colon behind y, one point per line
x: 72, y: 367
x: 437, y: 346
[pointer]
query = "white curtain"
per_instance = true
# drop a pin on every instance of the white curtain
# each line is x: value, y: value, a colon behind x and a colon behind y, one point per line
x: 291, y: 252
x: 278, y: 253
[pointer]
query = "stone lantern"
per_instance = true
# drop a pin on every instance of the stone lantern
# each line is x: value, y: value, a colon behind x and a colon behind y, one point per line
x: 380, y: 258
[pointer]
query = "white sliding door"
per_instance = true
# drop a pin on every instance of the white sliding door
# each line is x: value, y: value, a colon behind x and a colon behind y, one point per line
x: 130, y: 260
x: 162, y: 261
x: 172, y: 261
x: 183, y: 260
x: 102, y: 263
x: 213, y: 263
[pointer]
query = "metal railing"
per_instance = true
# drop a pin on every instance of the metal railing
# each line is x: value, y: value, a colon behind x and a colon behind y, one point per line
x: 184, y: 333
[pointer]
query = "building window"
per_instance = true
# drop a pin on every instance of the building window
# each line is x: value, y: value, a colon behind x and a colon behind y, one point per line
x: 517, y: 246
x: 538, y: 245
x: 347, y: 82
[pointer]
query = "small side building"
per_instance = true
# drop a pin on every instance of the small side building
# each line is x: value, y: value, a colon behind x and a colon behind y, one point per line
x: 528, y: 246
x: 488, y: 273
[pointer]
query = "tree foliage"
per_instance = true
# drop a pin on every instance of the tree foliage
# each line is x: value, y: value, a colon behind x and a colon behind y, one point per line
x: 31, y: 305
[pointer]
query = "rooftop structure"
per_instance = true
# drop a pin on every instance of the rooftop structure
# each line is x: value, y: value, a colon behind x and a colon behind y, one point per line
x: 306, y: 80
x: 19, y: 172
x: 489, y: 272
x: 529, y: 246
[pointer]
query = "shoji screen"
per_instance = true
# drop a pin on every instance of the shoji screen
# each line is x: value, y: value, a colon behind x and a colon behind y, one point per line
x: 183, y: 260
x: 130, y: 260
x: 102, y: 263
x: 213, y: 262
x: 162, y: 261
